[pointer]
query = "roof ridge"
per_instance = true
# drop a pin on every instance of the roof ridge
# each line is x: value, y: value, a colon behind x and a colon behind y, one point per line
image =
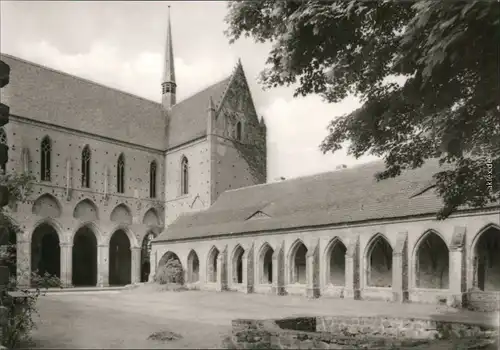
x: 202, y: 90
x: 308, y: 176
x: 231, y: 79
x: 76, y: 77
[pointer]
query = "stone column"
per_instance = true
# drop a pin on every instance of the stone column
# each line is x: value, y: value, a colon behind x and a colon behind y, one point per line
x: 136, y: 265
x: 103, y: 265
x: 23, y: 257
x: 312, y: 272
x: 278, y: 286
x: 220, y: 273
x: 351, y: 290
x: 400, y: 269
x: 457, y: 269
x: 66, y: 264
x: 248, y: 269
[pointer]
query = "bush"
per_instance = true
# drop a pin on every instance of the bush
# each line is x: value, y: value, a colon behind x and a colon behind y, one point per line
x: 171, y: 272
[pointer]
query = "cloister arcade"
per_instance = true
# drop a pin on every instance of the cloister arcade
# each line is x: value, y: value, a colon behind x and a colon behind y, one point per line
x: 85, y: 249
x: 427, y: 268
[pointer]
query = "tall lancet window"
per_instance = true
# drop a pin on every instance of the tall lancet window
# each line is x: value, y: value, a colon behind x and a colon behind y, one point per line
x: 86, y: 167
x: 152, y: 180
x: 184, y: 176
x: 45, y: 159
x: 120, y: 174
x: 3, y: 141
x: 238, y: 131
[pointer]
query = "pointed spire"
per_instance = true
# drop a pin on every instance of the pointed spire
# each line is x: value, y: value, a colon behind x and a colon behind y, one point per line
x: 168, y: 83
x: 211, y: 106
x: 169, y: 70
x: 262, y: 122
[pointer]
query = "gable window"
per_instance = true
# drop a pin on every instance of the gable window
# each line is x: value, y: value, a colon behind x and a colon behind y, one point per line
x: 45, y: 155
x: 3, y: 141
x: 152, y: 180
x: 86, y: 167
x: 184, y: 176
x: 239, y: 133
x: 120, y: 174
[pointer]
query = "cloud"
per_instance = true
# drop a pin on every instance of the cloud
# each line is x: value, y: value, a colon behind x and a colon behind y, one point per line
x: 139, y: 75
x: 296, y: 128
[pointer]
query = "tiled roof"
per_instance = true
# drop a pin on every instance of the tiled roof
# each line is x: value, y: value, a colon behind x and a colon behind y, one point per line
x: 188, y: 118
x: 344, y: 196
x: 54, y: 97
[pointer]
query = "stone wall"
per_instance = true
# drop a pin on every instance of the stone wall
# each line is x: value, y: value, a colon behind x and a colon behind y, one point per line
x: 347, y: 333
x: 483, y: 301
x: 404, y: 236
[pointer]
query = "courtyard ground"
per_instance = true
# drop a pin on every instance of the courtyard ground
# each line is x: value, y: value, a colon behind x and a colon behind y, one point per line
x: 125, y: 319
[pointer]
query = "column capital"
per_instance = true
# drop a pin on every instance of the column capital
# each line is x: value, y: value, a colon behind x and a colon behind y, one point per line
x: 135, y: 249
x: 65, y: 244
x: 103, y: 245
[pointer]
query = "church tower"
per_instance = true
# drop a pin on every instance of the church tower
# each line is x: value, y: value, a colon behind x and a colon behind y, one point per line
x: 168, y: 85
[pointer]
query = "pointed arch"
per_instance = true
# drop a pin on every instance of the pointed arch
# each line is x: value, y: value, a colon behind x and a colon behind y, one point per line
x: 47, y: 205
x: 121, y: 214
x: 184, y: 175
x: 146, y: 255
x: 86, y: 210
x: 297, y: 262
x: 485, y: 258
x: 213, y: 255
x: 45, y: 251
x: 431, y: 259
x: 120, y: 258
x: 193, y: 267
x: 120, y: 174
x: 169, y: 255
x: 265, y: 261
x: 152, y: 179
x: 335, y: 262
x: 237, y: 264
x: 84, y: 256
x: 85, y: 175
x: 379, y: 262
x: 151, y: 218
x: 45, y: 158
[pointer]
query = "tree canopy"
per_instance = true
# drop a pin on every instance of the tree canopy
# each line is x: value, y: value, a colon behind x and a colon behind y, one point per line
x: 427, y: 74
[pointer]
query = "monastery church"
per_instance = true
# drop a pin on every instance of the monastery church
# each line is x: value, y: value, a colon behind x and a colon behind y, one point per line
x: 124, y: 183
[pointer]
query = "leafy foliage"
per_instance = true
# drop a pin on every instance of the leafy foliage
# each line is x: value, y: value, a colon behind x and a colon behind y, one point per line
x: 425, y: 71
x: 170, y: 272
x: 20, y: 302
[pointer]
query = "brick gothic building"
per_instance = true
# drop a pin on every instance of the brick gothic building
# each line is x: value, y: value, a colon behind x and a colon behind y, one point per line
x: 113, y: 169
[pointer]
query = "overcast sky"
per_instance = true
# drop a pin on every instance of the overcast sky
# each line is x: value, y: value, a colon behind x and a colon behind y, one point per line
x: 121, y: 44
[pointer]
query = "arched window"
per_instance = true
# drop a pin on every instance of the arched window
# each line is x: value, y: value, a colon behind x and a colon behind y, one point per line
x: 184, y: 176
x: 45, y: 155
x: 239, y: 133
x: 86, y: 167
x: 152, y: 180
x: 3, y: 141
x: 120, y: 174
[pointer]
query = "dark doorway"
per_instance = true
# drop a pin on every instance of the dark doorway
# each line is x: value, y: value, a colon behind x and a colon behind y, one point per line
x: 45, y: 251
x: 120, y: 259
x: 84, y: 258
x: 487, y: 260
x: 145, y: 256
x: 8, y: 242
